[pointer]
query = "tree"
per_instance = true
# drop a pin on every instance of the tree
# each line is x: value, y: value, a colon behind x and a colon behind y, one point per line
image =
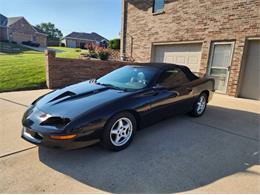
x: 50, y: 29
x: 114, y: 44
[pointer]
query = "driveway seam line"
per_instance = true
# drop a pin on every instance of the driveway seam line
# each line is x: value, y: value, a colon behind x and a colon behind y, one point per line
x: 226, y: 131
x: 16, y: 152
x: 14, y: 102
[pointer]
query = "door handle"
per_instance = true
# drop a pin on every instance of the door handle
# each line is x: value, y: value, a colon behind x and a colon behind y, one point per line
x: 175, y: 93
x: 189, y: 89
x: 152, y: 93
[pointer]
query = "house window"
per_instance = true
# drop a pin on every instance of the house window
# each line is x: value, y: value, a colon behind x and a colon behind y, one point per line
x: 33, y: 38
x: 158, y: 6
x: 10, y: 36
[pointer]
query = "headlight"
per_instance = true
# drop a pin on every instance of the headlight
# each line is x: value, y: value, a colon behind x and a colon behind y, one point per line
x: 55, y: 121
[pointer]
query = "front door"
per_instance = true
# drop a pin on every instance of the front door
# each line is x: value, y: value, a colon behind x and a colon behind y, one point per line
x: 176, y: 97
x: 220, y: 63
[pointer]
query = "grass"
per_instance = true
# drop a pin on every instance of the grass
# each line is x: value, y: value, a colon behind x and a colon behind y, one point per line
x: 26, y: 68
x: 68, y: 52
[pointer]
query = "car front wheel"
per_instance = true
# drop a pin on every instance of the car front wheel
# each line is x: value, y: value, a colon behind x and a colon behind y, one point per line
x: 119, y: 131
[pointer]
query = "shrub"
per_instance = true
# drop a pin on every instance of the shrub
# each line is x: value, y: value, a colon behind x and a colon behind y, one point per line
x: 30, y: 43
x: 92, y: 54
x: 103, y: 53
x: 114, y: 44
x: 62, y: 44
x: 77, y: 50
x: 90, y: 45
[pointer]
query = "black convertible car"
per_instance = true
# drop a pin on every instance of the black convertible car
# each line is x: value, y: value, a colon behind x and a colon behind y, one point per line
x: 111, y: 108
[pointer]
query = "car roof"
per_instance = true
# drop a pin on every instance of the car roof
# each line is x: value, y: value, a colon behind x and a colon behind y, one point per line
x: 157, y: 65
x: 166, y: 66
x: 162, y: 66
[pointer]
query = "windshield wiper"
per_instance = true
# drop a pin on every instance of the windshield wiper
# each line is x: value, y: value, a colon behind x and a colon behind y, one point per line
x: 109, y: 85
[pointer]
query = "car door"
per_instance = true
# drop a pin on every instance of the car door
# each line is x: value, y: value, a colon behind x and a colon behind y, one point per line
x: 174, y: 93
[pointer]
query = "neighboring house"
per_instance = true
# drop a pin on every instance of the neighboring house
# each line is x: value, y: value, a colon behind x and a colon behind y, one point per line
x: 220, y: 38
x: 18, y: 29
x: 3, y: 28
x: 81, y: 39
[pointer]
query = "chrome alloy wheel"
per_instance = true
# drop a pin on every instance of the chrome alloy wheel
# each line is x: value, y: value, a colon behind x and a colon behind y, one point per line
x: 121, y: 131
x: 201, y: 104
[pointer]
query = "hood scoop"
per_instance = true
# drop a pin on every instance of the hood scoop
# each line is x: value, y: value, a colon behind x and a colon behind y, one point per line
x: 67, y: 96
x: 63, y: 95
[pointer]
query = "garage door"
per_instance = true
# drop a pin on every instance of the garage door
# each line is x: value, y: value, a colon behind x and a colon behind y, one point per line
x: 71, y: 43
x: 250, y: 86
x: 183, y: 54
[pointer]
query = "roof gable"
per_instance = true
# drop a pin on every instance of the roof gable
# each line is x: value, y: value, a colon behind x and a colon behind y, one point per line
x: 12, y: 20
x: 89, y: 36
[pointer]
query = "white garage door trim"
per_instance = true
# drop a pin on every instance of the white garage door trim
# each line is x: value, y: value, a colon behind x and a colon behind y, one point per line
x: 250, y: 81
x: 183, y: 53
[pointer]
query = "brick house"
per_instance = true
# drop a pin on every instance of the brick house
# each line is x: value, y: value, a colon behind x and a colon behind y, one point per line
x: 80, y: 39
x: 220, y: 38
x: 18, y: 29
x: 3, y: 27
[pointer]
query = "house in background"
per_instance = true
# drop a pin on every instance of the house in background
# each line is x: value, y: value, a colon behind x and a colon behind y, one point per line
x: 81, y: 40
x: 3, y: 28
x: 219, y: 38
x: 18, y: 29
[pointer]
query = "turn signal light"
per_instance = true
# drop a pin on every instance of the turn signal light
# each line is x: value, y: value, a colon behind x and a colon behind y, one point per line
x: 63, y: 137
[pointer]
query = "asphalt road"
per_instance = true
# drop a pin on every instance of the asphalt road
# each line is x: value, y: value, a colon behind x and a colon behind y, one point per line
x: 217, y: 153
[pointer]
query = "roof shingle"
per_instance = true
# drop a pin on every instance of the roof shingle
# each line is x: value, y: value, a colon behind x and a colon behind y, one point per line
x: 81, y: 35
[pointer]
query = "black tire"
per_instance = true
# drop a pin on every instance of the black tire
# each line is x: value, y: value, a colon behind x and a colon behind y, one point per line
x: 196, y: 112
x: 107, y: 138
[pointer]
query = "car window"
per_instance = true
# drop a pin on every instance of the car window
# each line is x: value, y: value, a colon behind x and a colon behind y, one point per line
x: 129, y: 77
x: 172, y: 78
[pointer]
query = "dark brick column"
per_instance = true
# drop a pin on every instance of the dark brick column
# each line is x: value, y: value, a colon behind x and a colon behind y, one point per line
x: 49, y: 59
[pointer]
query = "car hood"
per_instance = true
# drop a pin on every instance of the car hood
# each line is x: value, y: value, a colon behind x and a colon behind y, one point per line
x: 74, y: 100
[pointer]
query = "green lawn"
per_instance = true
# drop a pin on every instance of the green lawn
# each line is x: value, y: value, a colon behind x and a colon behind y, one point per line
x: 68, y: 52
x: 26, y: 70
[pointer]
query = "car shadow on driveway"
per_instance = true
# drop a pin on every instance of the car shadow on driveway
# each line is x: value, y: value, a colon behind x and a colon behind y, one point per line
x: 175, y: 155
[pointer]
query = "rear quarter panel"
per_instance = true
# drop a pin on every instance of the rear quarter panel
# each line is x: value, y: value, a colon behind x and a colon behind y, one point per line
x: 203, y: 84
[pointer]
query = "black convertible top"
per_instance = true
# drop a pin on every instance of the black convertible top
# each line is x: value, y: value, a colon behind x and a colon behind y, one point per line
x: 166, y: 66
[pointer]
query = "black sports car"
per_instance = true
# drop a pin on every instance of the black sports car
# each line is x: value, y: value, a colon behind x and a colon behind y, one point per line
x: 111, y: 108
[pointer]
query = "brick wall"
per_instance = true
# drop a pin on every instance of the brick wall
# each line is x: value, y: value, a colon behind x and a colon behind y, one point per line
x: 3, y: 33
x: 41, y: 39
x: 191, y: 20
x: 61, y: 72
x: 20, y: 37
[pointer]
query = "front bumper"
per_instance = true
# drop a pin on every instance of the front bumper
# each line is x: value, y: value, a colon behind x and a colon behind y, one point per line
x: 37, y: 138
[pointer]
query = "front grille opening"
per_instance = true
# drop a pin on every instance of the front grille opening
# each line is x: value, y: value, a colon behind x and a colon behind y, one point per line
x: 37, y: 136
x: 34, y: 134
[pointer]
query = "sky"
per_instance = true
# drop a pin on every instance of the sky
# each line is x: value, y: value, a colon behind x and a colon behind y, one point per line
x: 100, y: 16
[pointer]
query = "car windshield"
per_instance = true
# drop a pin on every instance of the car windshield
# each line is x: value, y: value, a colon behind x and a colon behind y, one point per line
x: 129, y: 77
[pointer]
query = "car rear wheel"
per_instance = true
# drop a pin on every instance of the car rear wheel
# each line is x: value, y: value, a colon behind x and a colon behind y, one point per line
x: 119, y: 131
x: 200, y: 105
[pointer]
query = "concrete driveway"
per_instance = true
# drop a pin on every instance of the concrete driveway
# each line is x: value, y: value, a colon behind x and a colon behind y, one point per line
x: 217, y: 153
